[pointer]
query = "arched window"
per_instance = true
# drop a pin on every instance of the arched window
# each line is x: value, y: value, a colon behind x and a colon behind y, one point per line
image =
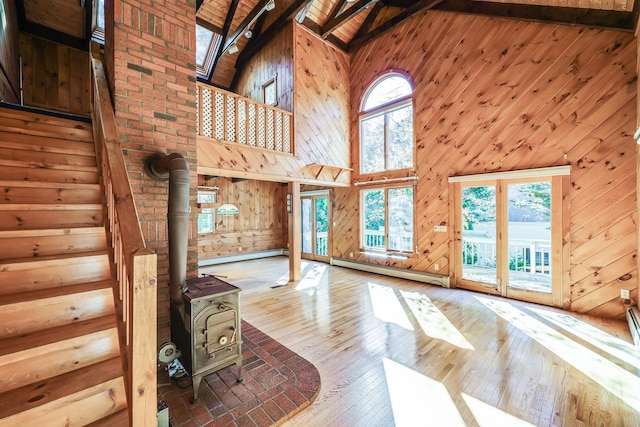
x: 386, y: 125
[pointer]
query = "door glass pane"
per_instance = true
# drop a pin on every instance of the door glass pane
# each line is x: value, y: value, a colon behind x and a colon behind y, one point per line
x: 373, y: 218
x: 307, y: 228
x: 479, y: 249
x: 530, y: 236
x: 401, y: 219
x: 322, y: 226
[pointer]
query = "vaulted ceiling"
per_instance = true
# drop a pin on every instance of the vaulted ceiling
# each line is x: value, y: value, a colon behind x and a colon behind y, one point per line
x: 348, y: 24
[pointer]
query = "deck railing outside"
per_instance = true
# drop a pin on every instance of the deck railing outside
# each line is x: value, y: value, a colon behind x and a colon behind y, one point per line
x: 136, y: 265
x: 397, y: 241
x: 230, y: 117
x: 531, y: 255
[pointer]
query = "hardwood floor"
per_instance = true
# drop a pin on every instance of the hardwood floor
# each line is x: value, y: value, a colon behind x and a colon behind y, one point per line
x: 396, y: 352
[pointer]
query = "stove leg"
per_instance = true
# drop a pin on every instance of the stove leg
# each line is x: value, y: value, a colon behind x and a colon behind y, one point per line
x: 196, y: 386
x: 239, y: 366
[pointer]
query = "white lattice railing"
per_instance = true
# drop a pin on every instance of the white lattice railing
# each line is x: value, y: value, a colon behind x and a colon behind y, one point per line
x: 232, y: 118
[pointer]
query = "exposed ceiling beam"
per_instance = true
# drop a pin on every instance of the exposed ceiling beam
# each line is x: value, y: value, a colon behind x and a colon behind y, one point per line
x: 406, y: 13
x: 366, y: 25
x: 198, y: 4
x: 607, y: 19
x: 253, y: 15
x: 336, y: 9
x: 345, y: 16
x: 331, y: 39
x: 225, y: 31
x: 256, y: 43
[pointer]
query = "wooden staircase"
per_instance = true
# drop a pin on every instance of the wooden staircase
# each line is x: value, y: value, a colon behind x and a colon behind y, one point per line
x: 60, y: 357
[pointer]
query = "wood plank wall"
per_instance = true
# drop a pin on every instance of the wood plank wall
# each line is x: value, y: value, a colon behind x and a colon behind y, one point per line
x: 275, y: 61
x: 497, y: 95
x: 321, y: 108
x: 261, y: 224
x: 9, y: 55
x: 54, y: 76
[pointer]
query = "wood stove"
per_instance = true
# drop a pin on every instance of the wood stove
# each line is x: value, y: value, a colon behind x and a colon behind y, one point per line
x: 209, y: 335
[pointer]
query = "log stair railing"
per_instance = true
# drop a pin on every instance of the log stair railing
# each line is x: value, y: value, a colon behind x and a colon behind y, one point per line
x: 60, y: 357
x: 135, y: 264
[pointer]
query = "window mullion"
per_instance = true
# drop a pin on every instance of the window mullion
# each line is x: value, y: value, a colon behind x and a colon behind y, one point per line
x: 386, y: 217
x: 386, y: 124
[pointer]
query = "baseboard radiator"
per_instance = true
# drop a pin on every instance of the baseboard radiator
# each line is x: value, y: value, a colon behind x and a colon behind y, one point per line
x: 401, y: 273
x: 633, y: 317
x: 240, y: 257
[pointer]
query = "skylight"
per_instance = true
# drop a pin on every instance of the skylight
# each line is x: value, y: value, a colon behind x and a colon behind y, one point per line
x: 207, y: 42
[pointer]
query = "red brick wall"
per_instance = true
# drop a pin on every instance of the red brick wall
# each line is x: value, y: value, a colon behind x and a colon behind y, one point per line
x: 151, y: 66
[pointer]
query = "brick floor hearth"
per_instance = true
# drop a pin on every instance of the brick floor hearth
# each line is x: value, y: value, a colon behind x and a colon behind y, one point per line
x: 278, y: 384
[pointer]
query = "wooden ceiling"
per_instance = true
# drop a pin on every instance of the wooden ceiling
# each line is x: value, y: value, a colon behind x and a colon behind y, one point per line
x: 350, y: 24
x: 345, y: 24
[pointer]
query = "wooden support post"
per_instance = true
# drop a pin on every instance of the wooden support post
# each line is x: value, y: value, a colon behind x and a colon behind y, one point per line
x: 143, y: 330
x: 295, y: 232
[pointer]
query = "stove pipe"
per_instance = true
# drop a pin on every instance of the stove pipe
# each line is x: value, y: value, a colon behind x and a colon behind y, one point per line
x: 175, y: 169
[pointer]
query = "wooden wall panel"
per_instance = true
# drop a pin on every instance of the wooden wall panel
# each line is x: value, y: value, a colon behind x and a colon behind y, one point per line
x: 320, y: 102
x: 9, y: 54
x: 522, y: 95
x: 261, y: 224
x: 274, y: 61
x: 55, y: 77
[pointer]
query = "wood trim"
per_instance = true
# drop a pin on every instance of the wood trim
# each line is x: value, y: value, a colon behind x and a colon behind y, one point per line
x: 519, y: 174
x: 295, y: 233
x: 605, y: 19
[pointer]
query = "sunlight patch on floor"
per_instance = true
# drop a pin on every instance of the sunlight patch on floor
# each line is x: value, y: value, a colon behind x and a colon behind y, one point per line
x: 417, y: 399
x: 434, y: 324
x: 613, y: 345
x: 612, y: 377
x: 311, y: 279
x: 387, y: 307
x: 489, y: 416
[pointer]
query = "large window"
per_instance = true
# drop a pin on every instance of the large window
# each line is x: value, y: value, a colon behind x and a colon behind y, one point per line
x: 386, y: 125
x: 207, y: 45
x: 387, y: 219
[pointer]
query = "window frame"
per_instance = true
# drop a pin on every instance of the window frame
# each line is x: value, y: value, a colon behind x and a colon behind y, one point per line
x: 210, y: 211
x: 384, y: 110
x: 204, y: 71
x: 386, y: 250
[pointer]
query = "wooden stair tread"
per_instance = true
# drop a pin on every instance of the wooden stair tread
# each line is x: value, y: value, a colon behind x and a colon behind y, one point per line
x: 48, y: 165
x: 49, y: 260
x: 62, y: 185
x: 12, y: 234
x: 40, y: 294
x: 49, y: 336
x: 51, y: 389
x: 51, y: 207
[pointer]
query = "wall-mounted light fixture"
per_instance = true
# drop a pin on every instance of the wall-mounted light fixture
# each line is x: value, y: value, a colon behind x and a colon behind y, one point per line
x: 233, y: 48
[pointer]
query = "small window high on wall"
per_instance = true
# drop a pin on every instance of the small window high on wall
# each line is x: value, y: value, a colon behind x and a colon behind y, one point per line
x: 386, y: 125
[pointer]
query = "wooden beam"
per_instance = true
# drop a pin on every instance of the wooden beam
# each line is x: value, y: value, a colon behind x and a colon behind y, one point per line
x: 225, y: 31
x: 366, y: 25
x: 636, y: 12
x: 336, y: 9
x: 418, y: 6
x: 345, y: 16
x: 198, y: 5
x: 605, y: 19
x: 253, y: 15
x: 295, y: 233
x: 257, y: 43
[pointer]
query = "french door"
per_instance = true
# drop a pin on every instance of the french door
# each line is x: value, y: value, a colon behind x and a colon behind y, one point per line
x: 316, y: 238
x: 508, y: 237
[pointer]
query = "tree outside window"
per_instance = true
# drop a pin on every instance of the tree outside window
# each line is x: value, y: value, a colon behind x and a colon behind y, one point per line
x: 386, y: 126
x: 206, y: 217
x: 387, y: 219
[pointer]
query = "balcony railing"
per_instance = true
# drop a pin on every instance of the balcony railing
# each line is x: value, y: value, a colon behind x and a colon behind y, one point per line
x: 531, y: 255
x: 230, y: 117
x: 397, y: 241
